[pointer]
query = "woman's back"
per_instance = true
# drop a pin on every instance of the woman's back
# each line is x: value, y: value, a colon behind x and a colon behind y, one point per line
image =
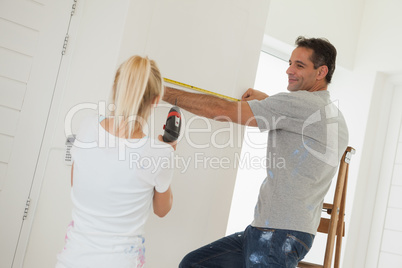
x: 112, y: 194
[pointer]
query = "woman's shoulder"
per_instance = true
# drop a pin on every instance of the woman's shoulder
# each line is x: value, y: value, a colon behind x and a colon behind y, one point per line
x: 155, y: 146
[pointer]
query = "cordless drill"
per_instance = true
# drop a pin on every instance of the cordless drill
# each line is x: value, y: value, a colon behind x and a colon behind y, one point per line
x: 173, y: 125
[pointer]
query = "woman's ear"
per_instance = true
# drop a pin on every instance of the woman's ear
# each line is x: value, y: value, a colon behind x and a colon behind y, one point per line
x: 156, y: 100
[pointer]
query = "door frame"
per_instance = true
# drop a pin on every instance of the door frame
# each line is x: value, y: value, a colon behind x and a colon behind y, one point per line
x: 386, y: 148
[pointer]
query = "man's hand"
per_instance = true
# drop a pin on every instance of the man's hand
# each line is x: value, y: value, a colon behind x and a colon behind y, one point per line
x: 173, y: 143
x: 253, y: 94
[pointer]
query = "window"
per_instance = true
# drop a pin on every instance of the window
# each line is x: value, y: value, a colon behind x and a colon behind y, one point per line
x: 271, y: 78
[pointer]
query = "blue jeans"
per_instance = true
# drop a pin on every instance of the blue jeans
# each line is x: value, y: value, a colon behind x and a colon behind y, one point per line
x: 255, y: 247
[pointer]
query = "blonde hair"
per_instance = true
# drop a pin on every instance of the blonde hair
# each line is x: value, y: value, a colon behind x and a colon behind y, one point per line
x: 137, y: 84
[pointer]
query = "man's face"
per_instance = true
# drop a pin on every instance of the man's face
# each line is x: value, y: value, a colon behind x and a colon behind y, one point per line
x: 301, y: 72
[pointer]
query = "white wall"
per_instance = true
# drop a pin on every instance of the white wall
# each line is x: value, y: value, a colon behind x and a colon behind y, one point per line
x: 338, y: 21
x: 376, y: 62
x: 215, y: 48
x: 368, y: 44
x: 210, y: 44
x: 384, y: 249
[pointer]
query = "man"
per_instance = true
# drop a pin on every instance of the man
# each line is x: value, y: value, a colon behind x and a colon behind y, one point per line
x: 309, y: 132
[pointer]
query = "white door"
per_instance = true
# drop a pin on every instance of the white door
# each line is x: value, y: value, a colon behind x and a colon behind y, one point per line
x: 31, y: 41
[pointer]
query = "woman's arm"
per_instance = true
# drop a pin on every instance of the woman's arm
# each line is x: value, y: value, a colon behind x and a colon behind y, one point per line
x: 162, y: 202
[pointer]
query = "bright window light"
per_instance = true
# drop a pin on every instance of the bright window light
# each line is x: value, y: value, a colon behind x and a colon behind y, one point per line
x: 271, y: 78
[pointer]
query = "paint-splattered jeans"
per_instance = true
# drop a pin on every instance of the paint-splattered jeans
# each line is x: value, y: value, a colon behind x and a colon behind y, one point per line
x: 255, y: 247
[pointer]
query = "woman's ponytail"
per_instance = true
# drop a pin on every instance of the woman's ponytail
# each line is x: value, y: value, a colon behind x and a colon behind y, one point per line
x: 137, y: 84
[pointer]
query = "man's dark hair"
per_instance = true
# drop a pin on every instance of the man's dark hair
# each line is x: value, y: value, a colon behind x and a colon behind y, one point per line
x: 324, y: 53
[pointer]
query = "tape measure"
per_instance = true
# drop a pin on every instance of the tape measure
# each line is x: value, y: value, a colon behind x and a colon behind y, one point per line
x: 199, y: 89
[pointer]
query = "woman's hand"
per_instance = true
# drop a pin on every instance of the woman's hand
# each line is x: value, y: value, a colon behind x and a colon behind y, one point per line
x: 173, y: 143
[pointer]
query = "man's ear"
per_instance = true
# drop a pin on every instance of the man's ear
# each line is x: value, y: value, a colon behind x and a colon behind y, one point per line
x: 322, y: 72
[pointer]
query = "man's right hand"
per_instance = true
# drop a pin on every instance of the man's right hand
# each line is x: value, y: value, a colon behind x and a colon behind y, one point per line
x: 253, y: 94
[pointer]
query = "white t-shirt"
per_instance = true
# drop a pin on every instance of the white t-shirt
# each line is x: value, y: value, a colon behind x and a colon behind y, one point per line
x: 112, y: 195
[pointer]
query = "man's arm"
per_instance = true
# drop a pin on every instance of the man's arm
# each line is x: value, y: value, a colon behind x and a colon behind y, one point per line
x: 211, y: 106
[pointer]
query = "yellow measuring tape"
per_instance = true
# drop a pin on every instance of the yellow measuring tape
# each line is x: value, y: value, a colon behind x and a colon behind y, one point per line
x: 199, y: 89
